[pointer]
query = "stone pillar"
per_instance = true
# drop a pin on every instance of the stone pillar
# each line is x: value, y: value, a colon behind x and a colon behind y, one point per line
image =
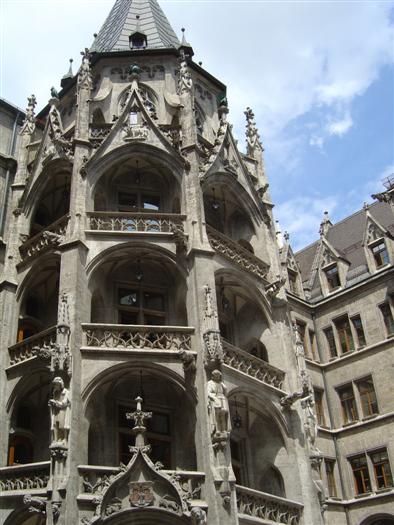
x: 8, y: 280
x: 73, y: 291
x: 213, y: 457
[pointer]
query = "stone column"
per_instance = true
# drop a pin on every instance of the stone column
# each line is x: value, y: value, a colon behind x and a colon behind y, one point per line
x: 213, y: 454
x: 9, y: 280
x: 73, y: 290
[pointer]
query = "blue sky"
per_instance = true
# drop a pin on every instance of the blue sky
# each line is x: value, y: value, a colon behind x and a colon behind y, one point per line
x: 318, y: 75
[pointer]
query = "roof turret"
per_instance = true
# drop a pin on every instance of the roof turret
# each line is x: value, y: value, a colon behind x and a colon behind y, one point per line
x: 131, y: 17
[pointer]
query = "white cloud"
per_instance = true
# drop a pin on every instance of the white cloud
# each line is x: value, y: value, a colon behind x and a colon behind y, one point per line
x: 340, y: 127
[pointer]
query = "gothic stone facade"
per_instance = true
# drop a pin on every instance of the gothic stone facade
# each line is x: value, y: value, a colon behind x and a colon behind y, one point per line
x: 165, y: 357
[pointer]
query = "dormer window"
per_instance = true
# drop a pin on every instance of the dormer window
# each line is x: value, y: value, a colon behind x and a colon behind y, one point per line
x: 380, y: 253
x: 332, y: 276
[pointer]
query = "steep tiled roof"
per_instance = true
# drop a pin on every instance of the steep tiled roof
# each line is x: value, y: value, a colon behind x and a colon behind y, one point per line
x: 122, y: 21
x: 347, y: 237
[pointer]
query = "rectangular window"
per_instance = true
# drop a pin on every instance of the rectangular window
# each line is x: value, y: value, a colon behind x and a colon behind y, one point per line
x: 362, y: 483
x: 369, y: 404
x: 331, y: 485
x: 332, y: 276
x: 312, y: 340
x: 382, y: 471
x: 380, y: 254
x: 329, y: 333
x: 321, y: 420
x: 293, y: 282
x: 387, y: 318
x: 348, y: 403
x: 358, y: 328
x: 303, y: 334
x: 344, y: 334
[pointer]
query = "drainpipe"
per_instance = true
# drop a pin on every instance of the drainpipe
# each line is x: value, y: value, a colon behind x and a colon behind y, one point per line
x: 7, y: 176
x: 339, y: 461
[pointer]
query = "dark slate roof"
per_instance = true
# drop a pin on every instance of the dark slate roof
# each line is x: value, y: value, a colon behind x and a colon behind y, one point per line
x: 122, y: 21
x: 347, y: 236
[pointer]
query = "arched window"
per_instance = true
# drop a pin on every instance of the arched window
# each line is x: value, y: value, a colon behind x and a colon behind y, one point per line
x: 258, y: 349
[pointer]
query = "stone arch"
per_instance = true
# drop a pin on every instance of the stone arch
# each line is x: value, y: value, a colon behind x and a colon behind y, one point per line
x: 24, y: 517
x: 148, y: 516
x: 379, y: 519
x: 56, y: 173
x: 37, y: 296
x: 99, y: 166
x: 237, y: 192
x: 32, y: 392
x: 145, y: 270
x: 261, y: 442
x: 171, y: 431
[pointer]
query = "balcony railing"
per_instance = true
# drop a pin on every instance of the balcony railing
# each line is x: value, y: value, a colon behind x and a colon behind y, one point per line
x: 252, y: 366
x: 49, y: 237
x: 267, y: 507
x: 29, y: 347
x: 95, y: 479
x: 137, y: 337
x: 135, y: 222
x: 28, y: 477
x: 235, y: 253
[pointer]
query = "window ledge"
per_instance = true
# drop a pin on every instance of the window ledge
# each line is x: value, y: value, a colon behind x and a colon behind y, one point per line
x: 363, y: 495
x: 372, y: 416
x: 349, y: 423
x: 385, y: 489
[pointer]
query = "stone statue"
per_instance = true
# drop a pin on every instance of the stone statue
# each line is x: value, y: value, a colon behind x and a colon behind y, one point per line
x: 60, y: 412
x: 185, y: 82
x: 198, y: 516
x: 310, y: 424
x: 218, y: 407
x: 54, y: 93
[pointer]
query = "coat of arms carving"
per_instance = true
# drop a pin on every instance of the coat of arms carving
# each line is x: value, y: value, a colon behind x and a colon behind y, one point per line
x: 141, y: 494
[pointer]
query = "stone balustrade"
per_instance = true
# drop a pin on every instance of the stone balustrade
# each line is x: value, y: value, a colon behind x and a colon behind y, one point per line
x: 135, y: 222
x: 137, y: 337
x: 28, y: 477
x: 49, y: 237
x: 251, y: 365
x: 39, y: 343
x: 95, y: 479
x: 235, y: 253
x: 267, y: 507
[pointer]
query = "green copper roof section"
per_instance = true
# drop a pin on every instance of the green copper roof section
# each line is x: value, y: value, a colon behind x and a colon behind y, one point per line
x: 122, y: 22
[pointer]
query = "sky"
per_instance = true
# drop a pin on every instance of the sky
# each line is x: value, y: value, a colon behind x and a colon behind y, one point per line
x: 319, y: 76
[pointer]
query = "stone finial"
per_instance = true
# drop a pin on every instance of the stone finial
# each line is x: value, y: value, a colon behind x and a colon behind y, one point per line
x: 286, y: 236
x: 84, y: 74
x: 279, y: 236
x: 139, y: 429
x: 222, y: 107
x: 325, y: 225
x: 69, y: 75
x: 252, y: 136
x: 29, y: 123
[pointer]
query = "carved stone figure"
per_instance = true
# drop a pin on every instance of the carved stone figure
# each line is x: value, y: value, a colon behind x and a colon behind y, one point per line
x: 85, y: 76
x: 310, y: 424
x: 185, y: 82
x: 252, y: 136
x: 60, y: 406
x: 198, y: 516
x: 218, y: 406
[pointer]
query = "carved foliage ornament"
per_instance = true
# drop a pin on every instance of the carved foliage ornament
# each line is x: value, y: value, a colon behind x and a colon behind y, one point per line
x: 252, y: 136
x: 85, y: 80
x: 29, y: 123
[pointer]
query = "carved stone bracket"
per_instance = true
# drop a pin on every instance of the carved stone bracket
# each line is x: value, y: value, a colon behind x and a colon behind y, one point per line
x: 198, y: 516
x: 274, y: 288
x: 35, y: 503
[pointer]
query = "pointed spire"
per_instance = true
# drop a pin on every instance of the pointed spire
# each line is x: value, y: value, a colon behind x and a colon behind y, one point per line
x: 151, y: 22
x: 325, y: 225
x: 68, y: 76
x: 185, y: 48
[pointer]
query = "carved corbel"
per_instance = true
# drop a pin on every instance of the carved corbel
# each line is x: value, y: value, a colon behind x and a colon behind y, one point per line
x: 53, y: 237
x: 35, y: 503
x: 189, y: 362
x: 198, y: 516
x: 273, y: 289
